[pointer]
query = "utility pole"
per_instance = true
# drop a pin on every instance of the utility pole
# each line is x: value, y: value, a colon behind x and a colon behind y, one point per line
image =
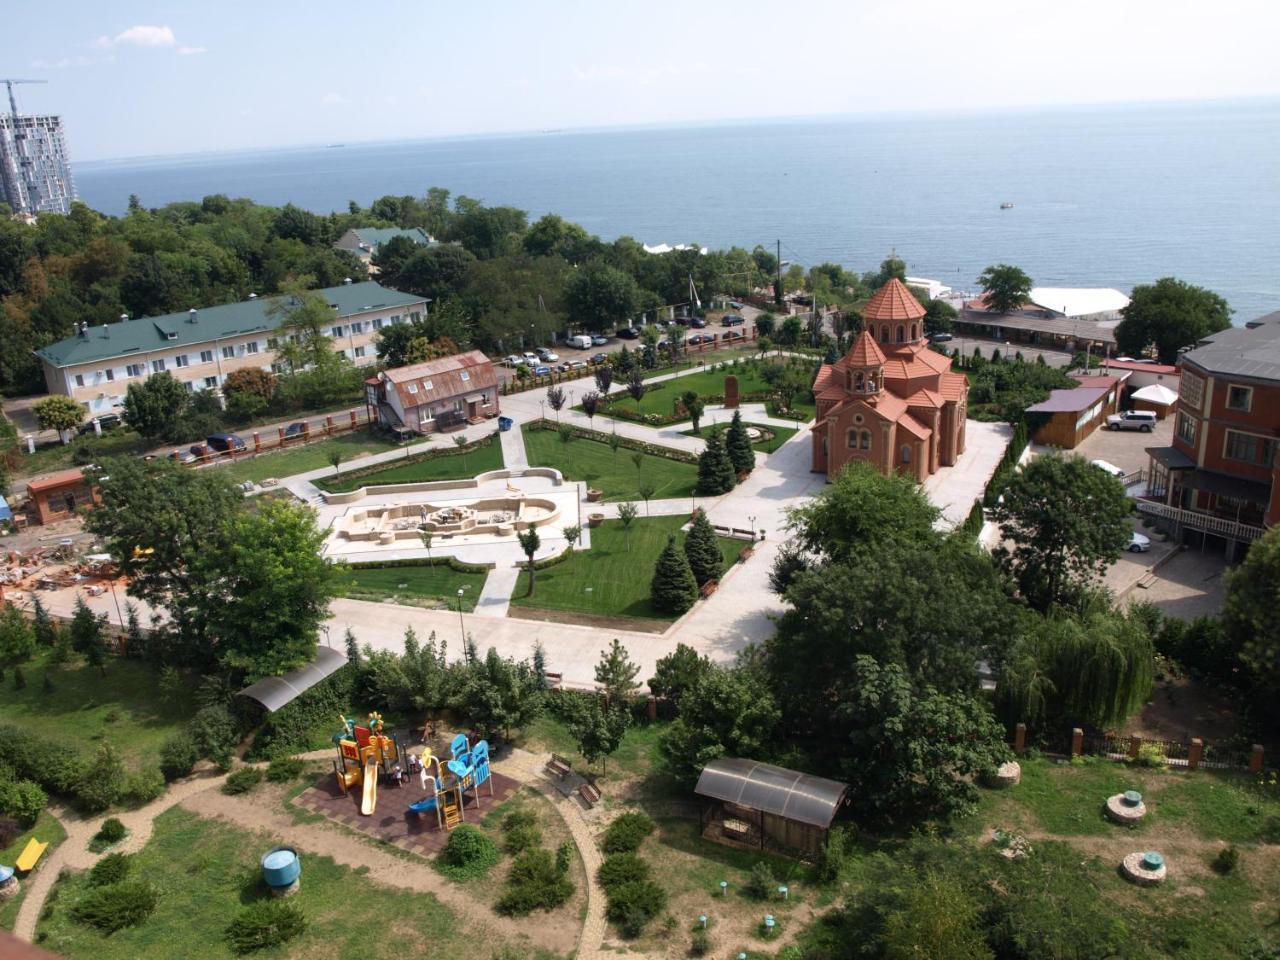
x: 777, y: 287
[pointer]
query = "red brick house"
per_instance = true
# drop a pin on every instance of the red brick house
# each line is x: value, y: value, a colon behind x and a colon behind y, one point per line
x: 57, y: 496
x: 1220, y: 477
x: 443, y: 394
x: 890, y: 400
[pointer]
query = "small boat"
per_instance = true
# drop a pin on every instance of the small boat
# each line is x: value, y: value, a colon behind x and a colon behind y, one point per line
x: 334, y: 146
x: 1006, y: 205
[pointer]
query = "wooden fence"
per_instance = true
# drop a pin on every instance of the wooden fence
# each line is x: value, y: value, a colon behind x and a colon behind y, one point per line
x: 259, y: 441
x: 1191, y: 754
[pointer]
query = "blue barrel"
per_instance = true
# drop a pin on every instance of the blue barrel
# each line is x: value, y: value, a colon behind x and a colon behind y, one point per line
x: 505, y: 423
x: 280, y: 867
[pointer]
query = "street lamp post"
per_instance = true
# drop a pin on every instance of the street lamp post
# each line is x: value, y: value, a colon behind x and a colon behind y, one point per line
x: 753, y: 528
x: 462, y: 628
x: 325, y: 628
x: 116, y: 599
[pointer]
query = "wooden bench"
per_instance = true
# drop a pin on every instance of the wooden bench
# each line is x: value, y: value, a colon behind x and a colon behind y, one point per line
x: 559, y: 766
x: 589, y: 794
x: 31, y: 855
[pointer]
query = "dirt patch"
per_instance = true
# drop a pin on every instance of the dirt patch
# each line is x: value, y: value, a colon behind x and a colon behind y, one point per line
x: 1183, y: 708
x: 630, y: 624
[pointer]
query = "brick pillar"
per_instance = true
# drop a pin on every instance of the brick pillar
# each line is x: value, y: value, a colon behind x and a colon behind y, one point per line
x: 1020, y: 739
x: 354, y: 420
x: 280, y: 437
x: 1077, y: 741
x: 306, y: 431
x: 1195, y: 754
x: 328, y: 425
x: 1255, y: 759
x: 1135, y: 744
x: 653, y: 709
x: 257, y: 442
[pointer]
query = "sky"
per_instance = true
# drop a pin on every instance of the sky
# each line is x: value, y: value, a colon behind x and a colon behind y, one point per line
x: 136, y: 78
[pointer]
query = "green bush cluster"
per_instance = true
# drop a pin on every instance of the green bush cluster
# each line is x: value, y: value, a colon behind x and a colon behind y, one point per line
x: 58, y: 770
x: 284, y: 769
x: 22, y: 800
x: 633, y: 905
x: 293, y: 727
x: 265, y: 924
x: 114, y: 906
x: 468, y: 853
x: 626, y: 833
x: 111, y: 831
x: 178, y: 756
x: 520, y: 831
x: 622, y: 868
x: 112, y: 868
x: 244, y: 780
x: 142, y: 786
x: 761, y: 881
x: 633, y: 898
x: 536, y: 882
x: 1007, y: 466
x: 624, y: 443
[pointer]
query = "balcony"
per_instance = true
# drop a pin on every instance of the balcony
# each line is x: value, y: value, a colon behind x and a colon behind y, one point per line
x: 1204, y: 522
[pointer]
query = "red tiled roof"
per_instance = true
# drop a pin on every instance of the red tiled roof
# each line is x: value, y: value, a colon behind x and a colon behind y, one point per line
x: 925, y: 398
x: 1106, y: 382
x: 456, y: 376
x: 893, y: 302
x: 824, y: 379
x: 51, y: 481
x: 1160, y: 368
x: 914, y: 426
x: 865, y: 352
x: 954, y: 386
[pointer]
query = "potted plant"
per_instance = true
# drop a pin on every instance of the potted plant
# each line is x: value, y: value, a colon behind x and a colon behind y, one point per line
x: 595, y: 519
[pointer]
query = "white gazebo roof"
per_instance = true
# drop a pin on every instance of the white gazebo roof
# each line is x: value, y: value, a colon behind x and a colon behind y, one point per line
x: 1156, y: 393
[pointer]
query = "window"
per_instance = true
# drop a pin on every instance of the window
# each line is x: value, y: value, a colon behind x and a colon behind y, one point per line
x: 181, y: 360
x: 133, y: 370
x: 1249, y: 448
x: 171, y: 335
x: 426, y: 384
x: 395, y: 318
x: 865, y: 440
x: 853, y: 439
x: 1191, y: 390
x: 901, y: 334
x: 884, y: 334
x: 1186, y: 428
x: 110, y: 374
x: 273, y: 343
x: 335, y: 332
x: 377, y: 323
x: 906, y: 453
x: 1239, y: 398
x: 357, y: 327
x: 251, y: 346
x: 79, y: 379
x: 415, y: 315
x: 359, y: 352
x: 210, y: 382
x: 913, y: 332
x: 412, y: 388
x: 190, y: 385
x: 465, y: 375
x: 228, y: 353
x: 277, y: 368
x: 157, y: 366
x: 206, y: 356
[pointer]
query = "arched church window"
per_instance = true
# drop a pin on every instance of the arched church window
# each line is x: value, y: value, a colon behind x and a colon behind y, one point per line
x: 914, y: 335
x: 864, y: 441
x: 902, y: 335
x: 906, y: 453
x: 884, y: 334
x: 859, y: 382
x: 853, y: 439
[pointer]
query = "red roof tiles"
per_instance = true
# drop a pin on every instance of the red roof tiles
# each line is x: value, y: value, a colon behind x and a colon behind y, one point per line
x: 864, y: 352
x: 893, y: 302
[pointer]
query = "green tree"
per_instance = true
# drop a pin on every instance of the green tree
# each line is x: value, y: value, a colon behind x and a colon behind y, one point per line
x: 155, y: 406
x: 715, y: 470
x: 1252, y: 615
x: 702, y: 548
x: 599, y: 297
x: 673, y: 588
x: 1169, y: 314
x: 693, y: 406
x: 598, y: 732
x: 790, y: 332
x: 56, y: 412
x: 1067, y: 521
x: 529, y: 543
x: 273, y: 590
x: 436, y: 272
x: 939, y: 920
x: 616, y: 674
x: 17, y: 637
x: 725, y: 712
x: 738, y: 445
x: 303, y: 319
x: 677, y: 672
x: 87, y: 637
x: 766, y: 324
x: 103, y: 781
x: 500, y: 695
x: 626, y: 514
x: 556, y: 399
x: 1006, y: 287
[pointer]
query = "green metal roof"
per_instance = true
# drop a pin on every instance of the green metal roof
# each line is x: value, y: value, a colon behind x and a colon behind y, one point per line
x: 128, y: 337
x: 376, y: 236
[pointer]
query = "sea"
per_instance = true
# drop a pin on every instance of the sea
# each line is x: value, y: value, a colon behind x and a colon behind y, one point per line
x: 1101, y: 196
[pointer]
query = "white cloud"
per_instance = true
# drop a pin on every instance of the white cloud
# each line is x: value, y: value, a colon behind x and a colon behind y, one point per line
x: 149, y: 36
x: 334, y: 98
x: 191, y: 51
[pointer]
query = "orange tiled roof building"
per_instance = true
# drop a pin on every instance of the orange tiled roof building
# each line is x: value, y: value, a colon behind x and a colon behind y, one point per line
x: 890, y: 400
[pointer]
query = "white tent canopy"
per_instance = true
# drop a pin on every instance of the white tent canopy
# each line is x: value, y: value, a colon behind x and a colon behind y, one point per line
x: 1156, y: 393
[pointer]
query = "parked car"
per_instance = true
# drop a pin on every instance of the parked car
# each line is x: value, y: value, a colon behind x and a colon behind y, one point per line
x: 575, y: 364
x: 698, y: 338
x: 224, y: 443
x: 697, y: 323
x: 514, y: 360
x: 542, y: 370
x: 182, y: 456
x: 732, y: 335
x: 298, y: 429
x: 581, y: 342
x: 1143, y: 420
x: 531, y: 358
x: 732, y: 320
x: 1110, y: 468
x: 599, y: 340
x: 600, y: 358
x: 1138, y: 543
x: 547, y: 355
x: 941, y: 337
x: 735, y: 305
x: 629, y: 333
x: 107, y: 421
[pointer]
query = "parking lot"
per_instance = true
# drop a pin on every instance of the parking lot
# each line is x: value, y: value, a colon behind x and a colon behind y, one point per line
x: 1127, y: 449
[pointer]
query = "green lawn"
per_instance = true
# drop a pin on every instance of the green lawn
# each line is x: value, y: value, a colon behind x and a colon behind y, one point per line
x: 618, y: 568
x: 780, y: 434
x: 206, y: 871
x: 302, y: 459
x: 85, y: 708
x: 449, y: 466
x: 615, y: 475
x: 83, y: 449
x: 708, y: 383
x: 411, y: 585
x: 637, y: 756
x: 48, y: 830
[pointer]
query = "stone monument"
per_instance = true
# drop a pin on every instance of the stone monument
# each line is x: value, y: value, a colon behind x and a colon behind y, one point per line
x: 731, y: 392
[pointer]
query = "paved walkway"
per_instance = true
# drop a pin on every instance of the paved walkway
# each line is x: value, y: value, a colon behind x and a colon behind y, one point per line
x: 513, y: 452
x: 495, y: 596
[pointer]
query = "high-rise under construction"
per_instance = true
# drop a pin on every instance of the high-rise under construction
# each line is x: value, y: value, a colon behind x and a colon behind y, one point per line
x: 35, y: 171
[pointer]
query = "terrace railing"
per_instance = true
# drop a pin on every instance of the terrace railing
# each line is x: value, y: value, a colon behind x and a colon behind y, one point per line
x: 1204, y: 522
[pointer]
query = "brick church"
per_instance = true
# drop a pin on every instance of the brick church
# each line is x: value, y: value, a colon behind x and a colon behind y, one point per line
x: 890, y: 400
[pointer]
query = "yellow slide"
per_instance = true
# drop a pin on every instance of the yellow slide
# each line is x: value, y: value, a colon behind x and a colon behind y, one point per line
x: 370, y: 799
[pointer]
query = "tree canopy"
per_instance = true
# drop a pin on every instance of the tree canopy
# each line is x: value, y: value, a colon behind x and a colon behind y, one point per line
x: 1006, y: 287
x: 1169, y: 315
x: 1252, y: 616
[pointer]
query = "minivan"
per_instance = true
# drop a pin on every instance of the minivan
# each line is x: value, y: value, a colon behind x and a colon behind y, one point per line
x: 1143, y: 420
x: 581, y: 341
x: 224, y: 442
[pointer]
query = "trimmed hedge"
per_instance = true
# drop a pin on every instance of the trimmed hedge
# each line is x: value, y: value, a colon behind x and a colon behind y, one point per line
x: 116, y: 905
x: 455, y: 565
x: 626, y: 833
x: 267, y: 923
x: 1008, y: 465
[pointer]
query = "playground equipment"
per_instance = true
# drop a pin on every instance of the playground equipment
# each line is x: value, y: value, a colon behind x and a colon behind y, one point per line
x: 467, y: 770
x: 280, y: 870
x: 364, y: 753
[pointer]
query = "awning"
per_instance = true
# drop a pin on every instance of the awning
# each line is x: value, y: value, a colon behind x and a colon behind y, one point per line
x: 1221, y: 485
x: 476, y: 398
x: 1156, y: 393
x: 764, y: 787
x: 1170, y: 458
x: 274, y: 692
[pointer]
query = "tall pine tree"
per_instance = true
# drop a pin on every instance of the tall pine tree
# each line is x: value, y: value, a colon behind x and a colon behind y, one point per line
x: 715, y: 471
x: 738, y: 445
x: 703, y: 550
x: 673, y: 588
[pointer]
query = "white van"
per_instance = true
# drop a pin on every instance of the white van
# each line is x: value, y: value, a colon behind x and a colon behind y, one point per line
x: 581, y: 341
x: 1143, y: 420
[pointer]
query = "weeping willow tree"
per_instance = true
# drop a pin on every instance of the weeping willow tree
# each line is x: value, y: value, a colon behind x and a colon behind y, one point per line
x: 1091, y: 668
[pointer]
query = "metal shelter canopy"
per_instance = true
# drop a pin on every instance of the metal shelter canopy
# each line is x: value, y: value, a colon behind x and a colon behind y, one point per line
x: 274, y: 692
x: 776, y: 790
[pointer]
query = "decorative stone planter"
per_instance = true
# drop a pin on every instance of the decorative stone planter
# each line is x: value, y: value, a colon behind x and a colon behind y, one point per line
x: 709, y: 588
x: 1145, y: 869
x: 1006, y: 775
x: 595, y: 519
x: 1127, y: 807
x: 593, y: 496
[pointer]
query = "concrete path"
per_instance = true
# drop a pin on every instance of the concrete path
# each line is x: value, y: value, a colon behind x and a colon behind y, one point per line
x: 495, y: 597
x: 513, y: 452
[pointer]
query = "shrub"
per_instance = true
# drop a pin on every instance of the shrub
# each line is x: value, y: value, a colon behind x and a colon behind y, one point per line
x: 266, y: 923
x: 534, y: 883
x: 215, y: 735
x: 835, y: 854
x: 116, y: 906
x: 626, y: 833
x: 10, y: 830
x: 178, y: 755
x: 284, y: 769
x: 522, y: 838
x: 1149, y: 755
x: 61, y: 771
x: 468, y: 853
x: 143, y: 786
x: 632, y: 905
x: 699, y: 943
x: 111, y: 831
x: 564, y: 853
x: 242, y: 781
x: 1227, y: 860
x: 23, y: 800
x: 760, y: 882
x: 112, y: 868
x: 1270, y: 832
x: 622, y: 868
x: 517, y: 819
x: 103, y: 781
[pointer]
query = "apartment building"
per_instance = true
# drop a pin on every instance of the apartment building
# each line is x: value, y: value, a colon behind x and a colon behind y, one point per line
x: 35, y: 169
x: 203, y: 346
x: 365, y: 241
x: 1220, y: 477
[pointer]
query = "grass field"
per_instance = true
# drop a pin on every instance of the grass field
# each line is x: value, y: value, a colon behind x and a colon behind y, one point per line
x: 84, y: 708
x: 637, y: 756
x: 617, y: 568
x: 47, y: 830
x: 780, y: 434
x: 450, y: 466
x: 206, y: 871
x: 411, y: 585
x: 302, y: 459
x: 708, y: 383
x: 614, y: 475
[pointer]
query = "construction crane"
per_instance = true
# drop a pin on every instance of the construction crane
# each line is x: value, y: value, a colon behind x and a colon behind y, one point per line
x: 13, y: 104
